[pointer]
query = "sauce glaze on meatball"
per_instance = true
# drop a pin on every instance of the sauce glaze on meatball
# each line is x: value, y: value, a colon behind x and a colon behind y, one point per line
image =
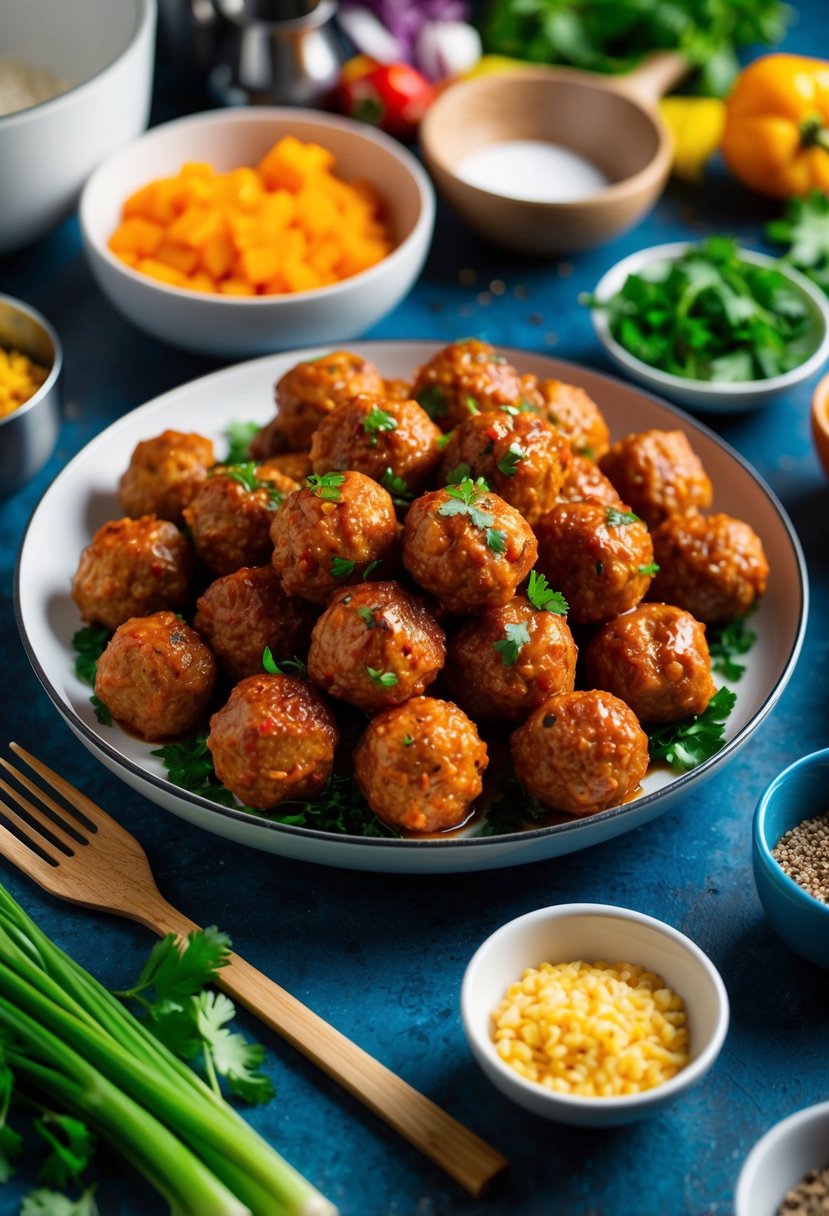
x: 712, y: 565
x: 462, y: 377
x: 419, y: 765
x: 656, y: 660
x: 577, y: 417
x: 274, y: 739
x: 585, y: 479
x: 163, y: 475
x: 375, y: 645
x: 133, y: 567
x: 156, y: 676
x: 380, y: 437
x: 230, y: 523
x: 580, y: 752
x: 658, y: 473
x: 310, y: 390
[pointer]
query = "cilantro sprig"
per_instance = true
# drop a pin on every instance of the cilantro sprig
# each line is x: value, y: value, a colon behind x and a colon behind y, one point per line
x: 381, y: 679
x: 326, y: 485
x: 685, y: 745
x: 509, y: 462
x: 239, y: 437
x: 509, y: 647
x: 89, y: 644
x: 513, y: 810
x: 465, y: 498
x: 726, y: 644
x: 543, y: 598
x: 433, y: 400
x: 614, y: 518
x: 285, y: 667
x: 189, y: 765
x: 247, y: 475
x: 804, y: 228
x: 376, y: 421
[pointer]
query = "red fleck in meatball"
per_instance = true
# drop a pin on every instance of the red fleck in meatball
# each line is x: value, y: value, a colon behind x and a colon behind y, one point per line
x: 380, y: 437
x: 522, y: 457
x: 585, y: 479
x: 467, y: 547
x: 580, y: 752
x: 714, y: 566
x: 312, y: 389
x: 419, y: 765
x: 326, y: 534
x: 230, y: 522
x: 133, y: 567
x: 656, y: 660
x: 241, y: 613
x: 509, y: 659
x: 463, y: 377
x: 375, y: 645
x: 577, y: 417
x: 163, y: 475
x: 274, y: 739
x: 599, y: 556
x: 156, y: 676
x: 658, y: 473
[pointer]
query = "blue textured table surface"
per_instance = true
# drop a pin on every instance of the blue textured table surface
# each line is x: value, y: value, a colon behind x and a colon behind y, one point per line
x: 381, y: 957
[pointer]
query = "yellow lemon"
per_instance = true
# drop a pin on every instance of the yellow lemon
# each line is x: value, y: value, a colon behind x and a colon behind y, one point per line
x: 696, y: 125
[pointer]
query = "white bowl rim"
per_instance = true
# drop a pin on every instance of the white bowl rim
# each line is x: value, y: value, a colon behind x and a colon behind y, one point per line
x: 262, y: 115
x: 761, y: 842
x: 623, y: 1102
x: 738, y: 389
x: 57, y: 359
x: 144, y: 20
x: 778, y: 1131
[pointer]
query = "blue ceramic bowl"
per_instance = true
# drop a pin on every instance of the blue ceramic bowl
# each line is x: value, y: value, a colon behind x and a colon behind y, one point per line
x: 800, y: 792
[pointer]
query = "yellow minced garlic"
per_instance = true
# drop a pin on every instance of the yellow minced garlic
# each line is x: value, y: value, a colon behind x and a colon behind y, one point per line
x: 20, y: 378
x: 592, y: 1029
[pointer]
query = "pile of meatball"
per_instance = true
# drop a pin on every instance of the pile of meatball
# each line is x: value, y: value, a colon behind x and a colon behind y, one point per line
x: 461, y: 556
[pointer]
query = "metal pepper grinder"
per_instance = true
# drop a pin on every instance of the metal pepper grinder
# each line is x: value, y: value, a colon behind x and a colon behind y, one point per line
x: 276, y: 52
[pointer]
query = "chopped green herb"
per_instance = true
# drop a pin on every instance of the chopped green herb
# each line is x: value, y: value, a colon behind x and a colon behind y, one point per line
x: 342, y: 567
x: 72, y: 1147
x: 367, y: 615
x: 339, y: 808
x: 371, y: 567
x: 615, y: 518
x: 805, y: 229
x: 433, y: 400
x: 725, y: 643
x: 247, y: 475
x: 326, y: 485
x: 516, y: 636
x: 102, y: 713
x: 496, y: 539
x: 443, y: 441
x: 396, y: 486
x: 461, y: 472
x: 378, y: 420
x: 407, y: 740
x: 189, y: 765
x: 239, y: 436
x: 686, y: 744
x: 286, y: 667
x: 464, y: 499
x: 650, y: 568
x: 382, y: 679
x: 513, y: 810
x: 543, y: 598
x: 472, y: 406
x: 89, y: 644
x: 508, y: 464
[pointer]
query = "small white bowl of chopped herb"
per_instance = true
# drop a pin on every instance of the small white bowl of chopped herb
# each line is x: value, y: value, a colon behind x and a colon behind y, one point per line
x: 791, y: 856
x: 651, y: 1008
x: 787, y: 1171
x: 710, y: 325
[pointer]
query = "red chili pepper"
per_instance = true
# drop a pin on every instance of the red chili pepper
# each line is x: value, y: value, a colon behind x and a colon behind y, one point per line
x: 392, y: 96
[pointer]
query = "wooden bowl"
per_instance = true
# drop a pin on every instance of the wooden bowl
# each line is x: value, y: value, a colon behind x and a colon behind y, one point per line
x: 612, y: 122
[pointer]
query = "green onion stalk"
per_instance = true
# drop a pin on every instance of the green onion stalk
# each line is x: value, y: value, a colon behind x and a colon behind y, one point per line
x: 68, y: 1039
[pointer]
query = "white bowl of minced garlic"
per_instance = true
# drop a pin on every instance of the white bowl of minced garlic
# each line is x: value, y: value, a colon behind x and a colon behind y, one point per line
x: 592, y: 1015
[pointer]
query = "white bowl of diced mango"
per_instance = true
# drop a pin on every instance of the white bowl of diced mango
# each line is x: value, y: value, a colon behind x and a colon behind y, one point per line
x: 592, y: 1015
x: 245, y: 231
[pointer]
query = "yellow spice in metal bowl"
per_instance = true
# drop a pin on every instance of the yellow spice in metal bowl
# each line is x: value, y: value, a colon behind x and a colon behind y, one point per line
x: 592, y: 1029
x: 20, y: 379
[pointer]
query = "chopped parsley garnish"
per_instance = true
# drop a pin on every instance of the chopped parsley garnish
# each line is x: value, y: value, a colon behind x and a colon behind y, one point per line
x: 371, y: 567
x: 496, y: 539
x: 508, y: 464
x: 89, y: 643
x: 378, y: 420
x: 433, y: 400
x: 326, y: 485
x: 367, y: 615
x: 726, y: 643
x: 443, y: 441
x: 239, y: 436
x: 516, y: 636
x: 460, y: 473
x: 464, y: 499
x: 805, y: 229
x: 615, y: 518
x: 472, y: 405
x: 686, y: 744
x: 381, y: 679
x: 543, y: 598
x: 396, y: 486
x: 342, y: 567
x: 286, y: 667
x: 247, y: 475
x: 189, y: 765
x: 651, y: 568
x: 513, y: 810
x: 102, y: 712
x: 407, y: 740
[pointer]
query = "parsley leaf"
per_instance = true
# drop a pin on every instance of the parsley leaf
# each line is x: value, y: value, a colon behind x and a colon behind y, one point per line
x: 512, y: 810
x: 189, y: 765
x: 367, y: 615
x: 650, y: 568
x: 72, y: 1146
x: 342, y: 567
x: 516, y: 636
x: 43, y: 1202
x: 726, y: 643
x: 461, y: 472
x: 508, y: 464
x: 686, y: 744
x: 326, y: 485
x: 229, y: 1053
x: 381, y: 679
x: 472, y: 406
x: 102, y: 712
x: 496, y: 539
x: 614, y: 518
x: 239, y: 436
x: 285, y: 667
x: 464, y: 499
x: 433, y: 400
x: 340, y: 808
x: 247, y: 475
x: 396, y: 486
x: 378, y: 420
x: 805, y: 229
x: 443, y: 441
x: 89, y: 644
x: 543, y: 598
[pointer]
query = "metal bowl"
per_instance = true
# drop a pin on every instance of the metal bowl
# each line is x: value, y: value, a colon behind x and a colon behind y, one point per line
x: 28, y: 435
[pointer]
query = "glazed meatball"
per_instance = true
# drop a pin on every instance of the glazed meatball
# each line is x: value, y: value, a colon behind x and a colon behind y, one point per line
x: 397, y: 390
x: 714, y: 566
x: 419, y: 765
x: 274, y: 739
x: 309, y: 391
x: 522, y: 458
x: 375, y: 645
x: 133, y: 567
x: 580, y: 752
x: 293, y: 465
x: 230, y: 522
x: 380, y: 437
x: 467, y: 547
x: 599, y: 556
x: 273, y: 472
x: 156, y: 676
x: 163, y: 475
x: 326, y: 534
x: 658, y: 473
x: 577, y: 417
x: 464, y: 377
x: 506, y: 661
x: 241, y: 613
x: 656, y: 660
x: 586, y: 480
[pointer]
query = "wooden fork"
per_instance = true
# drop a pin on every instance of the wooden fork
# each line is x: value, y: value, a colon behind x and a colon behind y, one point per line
x: 89, y: 859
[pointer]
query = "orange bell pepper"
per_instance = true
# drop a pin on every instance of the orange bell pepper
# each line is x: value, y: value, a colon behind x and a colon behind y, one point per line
x: 776, y: 137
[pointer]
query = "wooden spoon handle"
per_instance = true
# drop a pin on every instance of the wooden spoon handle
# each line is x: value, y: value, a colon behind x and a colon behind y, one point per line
x: 463, y: 1155
x: 655, y: 75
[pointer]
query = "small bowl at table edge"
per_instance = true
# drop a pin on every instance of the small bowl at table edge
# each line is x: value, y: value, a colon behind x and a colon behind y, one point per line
x: 29, y: 433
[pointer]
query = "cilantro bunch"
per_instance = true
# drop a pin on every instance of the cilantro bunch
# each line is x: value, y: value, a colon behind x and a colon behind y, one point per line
x: 805, y: 229
x: 709, y: 315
